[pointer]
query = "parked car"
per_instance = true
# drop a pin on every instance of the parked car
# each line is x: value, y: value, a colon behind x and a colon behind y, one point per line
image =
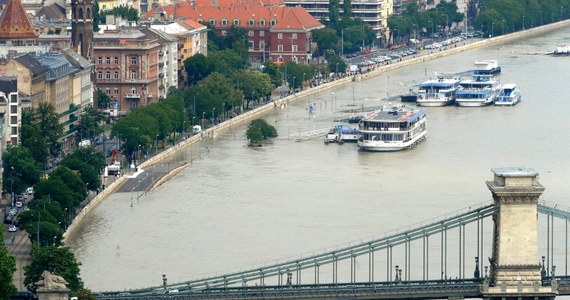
x: 19, y: 204
x: 12, y: 228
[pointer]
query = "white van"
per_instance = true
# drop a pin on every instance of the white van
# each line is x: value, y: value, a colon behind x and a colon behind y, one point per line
x: 30, y: 190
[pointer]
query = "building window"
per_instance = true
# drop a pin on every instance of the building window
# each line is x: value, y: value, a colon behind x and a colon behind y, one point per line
x: 133, y: 74
x: 108, y: 60
x: 224, y: 33
x: 212, y: 22
x: 99, y: 75
x: 251, y: 22
x: 294, y: 36
x: 116, y: 60
x: 262, y: 45
x: 295, y: 48
x: 14, y: 109
x: 116, y: 90
x: 108, y: 91
x: 250, y: 33
x: 133, y: 60
x: 133, y: 90
x: 13, y: 99
x: 251, y: 45
x: 262, y: 33
x: 273, y: 22
x: 279, y: 48
x: 262, y: 22
x: 225, y: 22
x: 280, y: 36
x: 108, y: 75
x: 13, y: 120
x: 116, y: 75
x: 236, y: 22
x: 100, y: 60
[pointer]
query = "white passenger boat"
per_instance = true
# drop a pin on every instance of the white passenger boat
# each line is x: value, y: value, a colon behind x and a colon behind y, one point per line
x: 562, y: 50
x: 487, y: 67
x: 480, y: 90
x: 439, y: 92
x: 509, y: 95
x: 392, y: 130
x: 342, y: 133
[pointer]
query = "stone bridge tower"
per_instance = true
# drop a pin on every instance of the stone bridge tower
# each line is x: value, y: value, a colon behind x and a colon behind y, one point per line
x: 515, y: 264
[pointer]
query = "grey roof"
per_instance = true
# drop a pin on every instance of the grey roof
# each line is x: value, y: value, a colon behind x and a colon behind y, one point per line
x: 76, y: 59
x: 52, y: 12
x: 160, y: 35
x: 29, y: 61
x: 58, y: 65
x: 515, y: 172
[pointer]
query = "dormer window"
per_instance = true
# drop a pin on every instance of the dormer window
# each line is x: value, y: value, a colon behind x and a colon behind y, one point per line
x: 212, y: 22
x: 200, y: 20
x: 273, y: 22
x: 251, y: 22
x: 262, y: 22
x: 225, y: 22
x: 236, y: 22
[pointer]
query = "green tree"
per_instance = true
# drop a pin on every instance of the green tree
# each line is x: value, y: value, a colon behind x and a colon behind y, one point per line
x: 272, y: 69
x: 85, y: 294
x: 346, y: 9
x: 89, y: 127
x: 7, y: 269
x: 227, y: 61
x: 334, y: 12
x: 88, y: 155
x: 103, y: 100
x: 47, y: 119
x: 20, y: 169
x: 259, y: 130
x: 326, y: 40
x: 197, y: 67
x: 253, y: 84
x: 96, y: 16
x: 127, y: 13
x: 57, y: 260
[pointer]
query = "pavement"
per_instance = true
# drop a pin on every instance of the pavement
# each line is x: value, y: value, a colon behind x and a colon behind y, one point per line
x: 19, y: 246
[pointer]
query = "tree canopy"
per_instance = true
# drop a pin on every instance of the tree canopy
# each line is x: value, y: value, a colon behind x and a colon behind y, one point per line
x: 57, y: 260
x: 7, y: 269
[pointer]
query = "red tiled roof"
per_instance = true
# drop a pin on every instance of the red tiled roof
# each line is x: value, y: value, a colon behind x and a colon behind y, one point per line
x: 14, y: 22
x: 287, y: 18
x: 228, y: 3
x: 194, y: 24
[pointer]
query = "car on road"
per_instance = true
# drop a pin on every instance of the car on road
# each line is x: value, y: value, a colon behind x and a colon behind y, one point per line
x: 19, y: 204
x: 12, y: 228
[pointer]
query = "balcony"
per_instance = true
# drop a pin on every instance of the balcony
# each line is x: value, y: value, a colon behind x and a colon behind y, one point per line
x: 133, y: 96
x: 161, y: 65
x: 161, y: 53
x: 160, y: 75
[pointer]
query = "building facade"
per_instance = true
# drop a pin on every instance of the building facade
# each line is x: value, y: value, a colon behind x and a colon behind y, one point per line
x: 274, y: 32
x: 167, y: 61
x: 192, y: 38
x: 10, y: 111
x: 82, y: 27
x: 126, y: 68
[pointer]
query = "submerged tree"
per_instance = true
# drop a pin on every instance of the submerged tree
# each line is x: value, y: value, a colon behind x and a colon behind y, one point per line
x: 259, y: 130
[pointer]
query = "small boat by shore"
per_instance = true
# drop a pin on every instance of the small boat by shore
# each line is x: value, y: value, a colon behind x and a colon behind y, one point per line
x: 562, y: 50
x: 438, y: 92
x: 481, y: 90
x: 509, y: 95
x: 392, y: 129
x: 487, y: 67
x: 341, y: 133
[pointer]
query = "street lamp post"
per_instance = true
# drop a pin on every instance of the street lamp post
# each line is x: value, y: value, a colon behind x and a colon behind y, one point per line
x: 12, y: 187
x: 294, y: 84
x: 156, y: 144
x: 336, y: 73
x: 203, y: 115
x: 213, y: 111
x: 342, y: 41
x: 303, y: 82
x: 503, y: 27
x: 492, y: 29
x: 523, y: 23
x: 54, y: 237
x: 184, y: 129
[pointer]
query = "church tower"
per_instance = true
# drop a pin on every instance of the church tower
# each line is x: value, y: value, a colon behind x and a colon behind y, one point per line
x: 82, y: 27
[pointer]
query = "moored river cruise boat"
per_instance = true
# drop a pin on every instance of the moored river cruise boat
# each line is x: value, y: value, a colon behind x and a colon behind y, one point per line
x: 438, y: 92
x: 392, y: 129
x: 509, y: 95
x: 487, y: 67
x: 480, y: 90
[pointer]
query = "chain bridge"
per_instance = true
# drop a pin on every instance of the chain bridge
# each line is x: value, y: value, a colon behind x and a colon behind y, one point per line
x: 512, y: 247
